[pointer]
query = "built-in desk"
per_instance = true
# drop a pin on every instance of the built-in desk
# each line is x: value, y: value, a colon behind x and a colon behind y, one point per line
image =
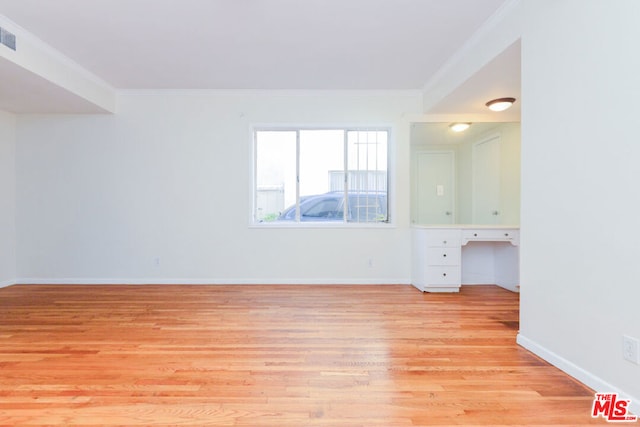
x: 445, y: 257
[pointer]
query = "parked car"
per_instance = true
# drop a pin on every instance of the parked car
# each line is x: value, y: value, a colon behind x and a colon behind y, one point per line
x: 362, y: 207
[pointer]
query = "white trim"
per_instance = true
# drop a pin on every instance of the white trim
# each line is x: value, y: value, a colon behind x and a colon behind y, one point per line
x: 208, y: 281
x: 388, y: 127
x: 274, y: 92
x: 585, y: 377
x: 323, y: 225
x: 345, y: 126
x: 5, y: 283
x: 462, y: 117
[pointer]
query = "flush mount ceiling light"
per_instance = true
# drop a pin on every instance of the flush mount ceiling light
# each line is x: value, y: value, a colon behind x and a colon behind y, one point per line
x: 459, y: 127
x: 500, y: 104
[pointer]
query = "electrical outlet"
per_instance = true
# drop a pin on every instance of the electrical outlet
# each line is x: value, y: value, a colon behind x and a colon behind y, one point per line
x: 630, y: 349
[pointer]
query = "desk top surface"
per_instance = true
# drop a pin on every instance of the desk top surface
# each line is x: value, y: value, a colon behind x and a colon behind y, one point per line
x: 466, y: 227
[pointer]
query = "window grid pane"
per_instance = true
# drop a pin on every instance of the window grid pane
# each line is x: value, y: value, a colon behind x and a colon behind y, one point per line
x: 275, y: 173
x: 367, y: 176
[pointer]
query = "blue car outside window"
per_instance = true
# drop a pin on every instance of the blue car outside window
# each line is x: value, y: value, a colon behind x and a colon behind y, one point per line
x: 369, y: 207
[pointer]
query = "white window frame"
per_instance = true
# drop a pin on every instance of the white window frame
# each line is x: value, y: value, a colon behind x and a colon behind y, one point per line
x: 390, y: 218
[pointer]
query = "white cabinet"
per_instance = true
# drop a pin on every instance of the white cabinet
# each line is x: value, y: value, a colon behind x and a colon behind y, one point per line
x: 489, y: 235
x: 436, y: 260
x: 442, y: 237
x: 443, y: 256
x: 438, y: 256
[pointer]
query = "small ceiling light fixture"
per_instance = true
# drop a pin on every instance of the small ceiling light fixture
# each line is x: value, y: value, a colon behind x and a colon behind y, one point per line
x: 459, y: 127
x: 500, y: 104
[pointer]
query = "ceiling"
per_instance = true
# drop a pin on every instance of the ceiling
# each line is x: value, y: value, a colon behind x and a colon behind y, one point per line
x: 256, y: 44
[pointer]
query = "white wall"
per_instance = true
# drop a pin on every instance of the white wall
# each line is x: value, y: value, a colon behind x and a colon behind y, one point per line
x: 580, y: 274
x: 7, y: 199
x: 168, y: 179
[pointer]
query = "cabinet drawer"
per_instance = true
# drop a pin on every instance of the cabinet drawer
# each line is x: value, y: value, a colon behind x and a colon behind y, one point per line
x: 443, y: 256
x: 489, y: 235
x: 443, y: 275
x: 443, y: 238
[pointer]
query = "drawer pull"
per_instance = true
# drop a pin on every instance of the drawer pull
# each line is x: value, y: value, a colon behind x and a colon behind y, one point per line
x: 444, y: 255
x: 444, y: 242
x: 444, y: 274
x: 475, y: 234
x: 506, y: 234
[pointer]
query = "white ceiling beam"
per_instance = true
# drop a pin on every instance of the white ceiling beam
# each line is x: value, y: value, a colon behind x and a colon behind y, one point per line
x: 48, y: 71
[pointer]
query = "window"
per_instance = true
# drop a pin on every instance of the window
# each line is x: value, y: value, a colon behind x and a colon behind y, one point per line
x: 321, y: 175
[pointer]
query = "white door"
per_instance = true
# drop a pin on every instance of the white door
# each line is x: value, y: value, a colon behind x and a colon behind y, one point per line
x: 434, y: 187
x: 486, y: 181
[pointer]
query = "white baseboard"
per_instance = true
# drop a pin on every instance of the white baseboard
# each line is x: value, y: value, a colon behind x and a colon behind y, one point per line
x: 585, y: 377
x: 5, y: 283
x: 512, y: 288
x: 206, y: 281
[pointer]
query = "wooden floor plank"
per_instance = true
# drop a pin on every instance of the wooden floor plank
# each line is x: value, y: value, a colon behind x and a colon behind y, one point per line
x: 274, y: 356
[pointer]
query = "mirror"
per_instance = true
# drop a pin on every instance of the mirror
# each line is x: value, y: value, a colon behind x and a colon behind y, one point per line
x: 469, y: 177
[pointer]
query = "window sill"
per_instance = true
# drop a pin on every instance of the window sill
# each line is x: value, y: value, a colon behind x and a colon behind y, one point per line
x: 321, y: 225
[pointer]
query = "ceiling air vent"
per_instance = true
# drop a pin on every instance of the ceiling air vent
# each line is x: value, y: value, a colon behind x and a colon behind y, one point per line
x: 8, y: 39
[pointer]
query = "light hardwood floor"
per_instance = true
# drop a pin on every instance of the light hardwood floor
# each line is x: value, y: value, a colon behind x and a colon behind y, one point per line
x: 274, y: 356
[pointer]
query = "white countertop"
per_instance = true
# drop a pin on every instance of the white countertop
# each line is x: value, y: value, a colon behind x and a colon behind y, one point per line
x: 466, y: 226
